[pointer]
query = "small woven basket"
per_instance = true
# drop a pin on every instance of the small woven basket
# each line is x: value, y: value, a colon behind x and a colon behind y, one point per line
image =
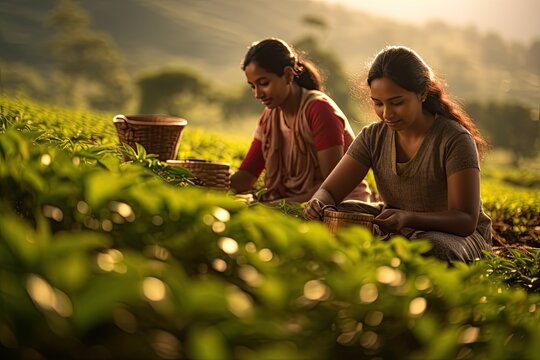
x: 209, y: 174
x: 159, y: 134
x: 335, y: 220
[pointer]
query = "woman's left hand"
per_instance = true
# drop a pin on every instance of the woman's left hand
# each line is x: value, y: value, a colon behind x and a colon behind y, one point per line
x: 313, y: 209
x: 392, y: 220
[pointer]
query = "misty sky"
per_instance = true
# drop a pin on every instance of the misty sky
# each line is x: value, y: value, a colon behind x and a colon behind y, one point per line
x: 513, y: 19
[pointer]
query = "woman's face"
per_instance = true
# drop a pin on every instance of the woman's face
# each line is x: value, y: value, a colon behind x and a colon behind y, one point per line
x: 269, y: 88
x: 396, y: 107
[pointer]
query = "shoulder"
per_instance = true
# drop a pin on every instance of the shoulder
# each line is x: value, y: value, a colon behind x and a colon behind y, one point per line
x: 450, y: 127
x: 318, y: 107
x: 317, y: 101
x: 449, y: 130
x: 374, y: 130
x: 320, y: 113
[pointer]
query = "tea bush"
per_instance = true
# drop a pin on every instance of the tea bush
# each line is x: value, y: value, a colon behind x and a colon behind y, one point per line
x: 103, y: 259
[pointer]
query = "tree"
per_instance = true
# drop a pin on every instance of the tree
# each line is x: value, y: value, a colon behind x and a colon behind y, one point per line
x: 89, y: 60
x: 508, y: 126
x: 169, y: 90
x: 16, y: 78
x: 240, y: 103
x: 533, y: 57
x: 495, y: 51
x: 335, y: 79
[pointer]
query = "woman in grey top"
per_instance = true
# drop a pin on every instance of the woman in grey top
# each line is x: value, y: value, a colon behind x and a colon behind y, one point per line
x: 425, y: 159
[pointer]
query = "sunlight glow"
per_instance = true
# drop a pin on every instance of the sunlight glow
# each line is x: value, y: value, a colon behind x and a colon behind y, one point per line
x: 219, y: 265
x: 48, y: 297
x: 239, y: 303
x: 369, y: 340
x: 125, y: 320
x: 390, y: 276
x: 218, y: 227
x: 266, y: 255
x: 422, y: 283
x: 250, y: 275
x: 166, y: 345
x: 40, y: 291
x: 112, y: 260
x: 469, y: 335
x: 83, y: 207
x: 417, y: 306
x: 368, y: 293
x: 53, y: 212
x: 221, y: 214
x: 374, y: 318
x: 228, y: 245
x: 154, y: 289
x: 123, y: 209
x: 46, y: 160
x: 251, y: 247
x: 316, y: 290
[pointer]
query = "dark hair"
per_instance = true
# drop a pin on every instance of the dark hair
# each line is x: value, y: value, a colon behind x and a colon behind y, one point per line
x: 408, y: 70
x: 274, y: 55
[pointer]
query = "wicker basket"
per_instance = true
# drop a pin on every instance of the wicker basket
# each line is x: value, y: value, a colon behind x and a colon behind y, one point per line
x: 159, y: 134
x: 209, y: 174
x: 335, y: 220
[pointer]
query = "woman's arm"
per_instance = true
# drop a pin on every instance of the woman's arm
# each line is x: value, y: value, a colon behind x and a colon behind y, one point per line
x: 461, y: 217
x: 329, y: 158
x: 250, y: 169
x: 242, y: 181
x: 342, y: 180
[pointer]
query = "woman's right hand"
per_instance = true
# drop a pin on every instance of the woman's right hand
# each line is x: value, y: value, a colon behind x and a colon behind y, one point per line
x: 314, y: 209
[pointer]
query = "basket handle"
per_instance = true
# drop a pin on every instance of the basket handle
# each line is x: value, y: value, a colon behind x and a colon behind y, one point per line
x: 331, y: 207
x: 120, y: 118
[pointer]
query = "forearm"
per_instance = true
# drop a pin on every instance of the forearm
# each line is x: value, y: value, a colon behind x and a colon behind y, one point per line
x: 242, y: 181
x: 324, y: 196
x: 452, y: 221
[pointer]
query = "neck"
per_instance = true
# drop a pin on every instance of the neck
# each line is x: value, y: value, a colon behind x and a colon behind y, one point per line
x: 420, y: 127
x: 292, y: 103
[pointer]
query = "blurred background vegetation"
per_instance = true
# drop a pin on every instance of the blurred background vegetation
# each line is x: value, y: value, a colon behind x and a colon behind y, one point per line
x: 102, y: 259
x: 183, y: 58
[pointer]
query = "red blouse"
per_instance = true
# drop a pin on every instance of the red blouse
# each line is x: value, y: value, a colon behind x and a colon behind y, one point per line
x: 327, y: 128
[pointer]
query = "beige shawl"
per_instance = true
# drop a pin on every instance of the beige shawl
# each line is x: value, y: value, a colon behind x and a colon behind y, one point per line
x: 298, y: 172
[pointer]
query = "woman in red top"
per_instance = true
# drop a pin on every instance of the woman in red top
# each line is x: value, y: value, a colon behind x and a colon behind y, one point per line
x: 301, y: 135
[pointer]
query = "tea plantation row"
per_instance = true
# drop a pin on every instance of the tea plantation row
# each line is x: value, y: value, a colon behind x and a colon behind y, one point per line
x: 101, y: 259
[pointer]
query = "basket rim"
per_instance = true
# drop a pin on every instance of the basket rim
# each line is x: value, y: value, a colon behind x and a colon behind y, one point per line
x: 195, y: 161
x: 152, y: 119
x: 348, y: 215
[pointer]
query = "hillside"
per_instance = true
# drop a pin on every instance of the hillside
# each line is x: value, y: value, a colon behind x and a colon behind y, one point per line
x: 212, y: 35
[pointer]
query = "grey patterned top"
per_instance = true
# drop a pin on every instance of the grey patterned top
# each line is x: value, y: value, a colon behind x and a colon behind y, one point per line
x: 422, y: 186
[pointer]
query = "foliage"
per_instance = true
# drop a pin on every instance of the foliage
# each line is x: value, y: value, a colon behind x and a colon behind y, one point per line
x: 508, y: 126
x: 163, y: 91
x: 334, y: 76
x: 520, y: 266
x: 214, y: 35
x: 103, y: 259
x: 514, y: 210
x: 87, y: 57
x: 240, y: 103
x: 16, y: 78
x: 533, y: 57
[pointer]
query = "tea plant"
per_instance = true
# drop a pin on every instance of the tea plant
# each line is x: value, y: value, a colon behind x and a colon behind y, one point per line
x: 101, y: 258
